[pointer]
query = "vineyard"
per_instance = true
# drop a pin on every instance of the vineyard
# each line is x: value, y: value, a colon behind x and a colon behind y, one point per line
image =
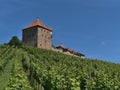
x: 28, y: 68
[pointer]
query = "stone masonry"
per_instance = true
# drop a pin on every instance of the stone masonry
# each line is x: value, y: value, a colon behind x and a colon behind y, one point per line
x: 37, y: 35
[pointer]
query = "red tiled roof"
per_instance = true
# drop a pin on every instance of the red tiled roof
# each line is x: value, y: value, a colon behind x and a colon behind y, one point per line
x: 38, y: 23
x: 69, y: 50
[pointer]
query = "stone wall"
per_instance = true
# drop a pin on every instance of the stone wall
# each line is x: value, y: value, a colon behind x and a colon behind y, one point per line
x: 37, y: 37
x: 29, y: 37
x: 44, y: 39
x: 68, y: 53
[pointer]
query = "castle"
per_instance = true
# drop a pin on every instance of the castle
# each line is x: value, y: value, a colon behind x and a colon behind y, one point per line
x: 38, y: 35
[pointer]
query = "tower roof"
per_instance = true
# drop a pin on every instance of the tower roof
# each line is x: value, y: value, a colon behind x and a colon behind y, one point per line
x: 37, y: 22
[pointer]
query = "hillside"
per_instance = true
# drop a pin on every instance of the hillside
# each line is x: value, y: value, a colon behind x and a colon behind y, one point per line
x: 30, y: 68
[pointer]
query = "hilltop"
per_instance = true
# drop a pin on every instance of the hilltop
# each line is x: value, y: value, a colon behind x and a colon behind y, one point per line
x: 28, y: 68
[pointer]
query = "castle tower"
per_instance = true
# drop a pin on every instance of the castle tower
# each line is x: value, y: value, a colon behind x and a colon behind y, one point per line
x: 37, y: 35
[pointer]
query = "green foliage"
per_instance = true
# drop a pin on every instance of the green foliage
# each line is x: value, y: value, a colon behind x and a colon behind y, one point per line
x: 56, y: 71
x: 5, y: 66
x: 15, y: 42
x: 41, y: 69
x: 18, y: 80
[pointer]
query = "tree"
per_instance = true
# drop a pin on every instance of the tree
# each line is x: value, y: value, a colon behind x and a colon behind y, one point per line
x: 15, y: 42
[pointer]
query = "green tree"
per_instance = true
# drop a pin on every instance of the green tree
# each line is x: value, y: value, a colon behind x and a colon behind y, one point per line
x: 15, y: 42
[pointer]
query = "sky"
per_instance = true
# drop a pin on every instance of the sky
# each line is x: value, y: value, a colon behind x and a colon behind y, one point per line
x: 91, y: 27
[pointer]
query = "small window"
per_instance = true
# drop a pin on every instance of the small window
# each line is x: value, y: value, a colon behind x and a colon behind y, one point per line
x: 40, y: 44
x: 45, y: 41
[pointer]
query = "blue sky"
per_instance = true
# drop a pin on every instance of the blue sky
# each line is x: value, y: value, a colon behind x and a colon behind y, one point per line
x: 91, y: 27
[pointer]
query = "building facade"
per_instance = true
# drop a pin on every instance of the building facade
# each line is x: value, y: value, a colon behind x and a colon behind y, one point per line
x: 68, y: 51
x: 37, y: 35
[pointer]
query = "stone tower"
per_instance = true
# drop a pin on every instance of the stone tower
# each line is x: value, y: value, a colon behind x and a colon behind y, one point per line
x: 37, y: 35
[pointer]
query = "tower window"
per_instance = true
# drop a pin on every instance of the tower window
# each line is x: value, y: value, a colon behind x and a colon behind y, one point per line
x: 40, y: 44
x: 45, y: 41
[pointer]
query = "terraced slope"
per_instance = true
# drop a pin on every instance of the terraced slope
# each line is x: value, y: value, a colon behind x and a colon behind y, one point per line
x: 30, y: 68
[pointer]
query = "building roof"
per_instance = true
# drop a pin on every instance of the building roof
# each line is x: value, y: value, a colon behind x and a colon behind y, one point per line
x: 37, y: 22
x: 69, y: 50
